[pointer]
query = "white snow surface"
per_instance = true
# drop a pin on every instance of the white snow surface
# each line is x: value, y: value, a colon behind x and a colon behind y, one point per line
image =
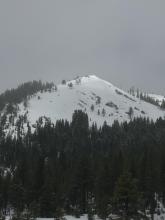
x: 62, y: 103
x: 69, y: 217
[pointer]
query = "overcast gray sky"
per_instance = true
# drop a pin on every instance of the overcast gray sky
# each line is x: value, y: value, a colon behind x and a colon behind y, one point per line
x: 122, y: 41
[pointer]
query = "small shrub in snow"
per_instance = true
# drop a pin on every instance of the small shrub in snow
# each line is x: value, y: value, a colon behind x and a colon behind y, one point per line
x: 98, y: 100
x: 70, y: 85
x: 63, y: 82
x: 92, y: 107
x: 103, y: 112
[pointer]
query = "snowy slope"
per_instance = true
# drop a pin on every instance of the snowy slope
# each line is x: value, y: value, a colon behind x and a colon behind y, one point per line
x: 158, y: 98
x: 87, y: 91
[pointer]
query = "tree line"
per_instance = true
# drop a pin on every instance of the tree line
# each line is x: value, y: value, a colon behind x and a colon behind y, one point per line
x: 22, y: 92
x: 71, y: 168
x: 146, y: 97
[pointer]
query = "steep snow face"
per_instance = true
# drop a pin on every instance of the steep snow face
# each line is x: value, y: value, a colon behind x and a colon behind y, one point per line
x: 101, y: 100
x: 158, y: 98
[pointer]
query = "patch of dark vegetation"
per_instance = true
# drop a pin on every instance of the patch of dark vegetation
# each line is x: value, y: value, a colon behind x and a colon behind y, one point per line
x: 143, y: 112
x: 70, y: 85
x: 93, y: 94
x: 128, y: 97
x: 136, y: 108
x: 118, y: 92
x: 98, y: 100
x: 112, y: 105
x: 146, y: 97
x: 22, y: 92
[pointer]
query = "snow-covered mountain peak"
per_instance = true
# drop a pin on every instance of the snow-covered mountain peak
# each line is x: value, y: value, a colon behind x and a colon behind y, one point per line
x: 101, y: 100
x: 91, y: 82
x: 88, y: 79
